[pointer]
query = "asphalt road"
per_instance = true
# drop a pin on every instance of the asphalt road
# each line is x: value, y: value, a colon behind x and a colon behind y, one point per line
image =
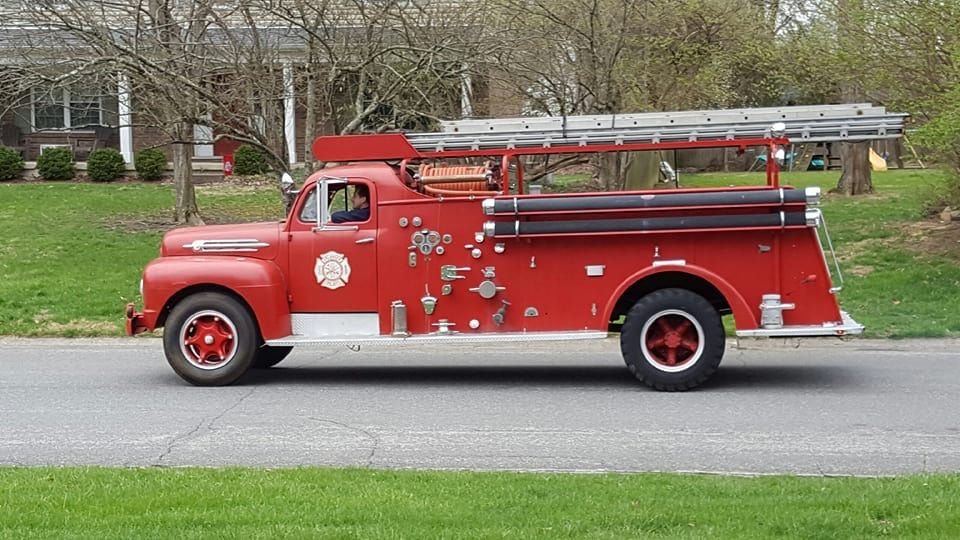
x: 825, y: 407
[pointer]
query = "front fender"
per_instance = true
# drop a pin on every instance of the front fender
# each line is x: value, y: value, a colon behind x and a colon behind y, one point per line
x: 742, y: 314
x: 257, y: 282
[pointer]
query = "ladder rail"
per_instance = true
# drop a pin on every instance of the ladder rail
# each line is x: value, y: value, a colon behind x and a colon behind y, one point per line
x: 768, y: 115
x: 809, y: 131
x: 624, y: 132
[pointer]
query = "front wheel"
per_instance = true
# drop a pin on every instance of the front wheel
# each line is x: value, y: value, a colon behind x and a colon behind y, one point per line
x: 210, y: 339
x: 672, y: 340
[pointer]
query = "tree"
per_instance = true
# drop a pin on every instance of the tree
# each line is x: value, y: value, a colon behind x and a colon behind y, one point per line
x: 372, y: 66
x: 185, y: 64
x: 902, y: 54
x: 611, y: 56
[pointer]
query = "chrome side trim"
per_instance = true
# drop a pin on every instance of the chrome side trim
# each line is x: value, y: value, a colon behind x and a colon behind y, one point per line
x: 445, y: 337
x: 669, y: 262
x: 322, y: 325
x: 846, y: 327
x: 224, y: 245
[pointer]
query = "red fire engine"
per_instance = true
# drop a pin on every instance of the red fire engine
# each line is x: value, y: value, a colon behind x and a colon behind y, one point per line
x: 448, y: 254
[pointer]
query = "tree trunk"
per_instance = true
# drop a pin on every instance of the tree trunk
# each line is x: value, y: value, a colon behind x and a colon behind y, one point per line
x: 310, y: 123
x: 643, y: 171
x: 855, y: 178
x: 896, y: 152
x: 610, y: 171
x: 855, y: 157
x: 186, y: 211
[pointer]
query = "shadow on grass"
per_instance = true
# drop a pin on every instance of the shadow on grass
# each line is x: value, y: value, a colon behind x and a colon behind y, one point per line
x: 740, y: 378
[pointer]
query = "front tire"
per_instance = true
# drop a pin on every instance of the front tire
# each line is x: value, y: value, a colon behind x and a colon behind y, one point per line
x: 210, y: 339
x: 672, y: 340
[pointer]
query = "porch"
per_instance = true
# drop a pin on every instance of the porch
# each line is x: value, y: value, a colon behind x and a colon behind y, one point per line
x: 81, y: 142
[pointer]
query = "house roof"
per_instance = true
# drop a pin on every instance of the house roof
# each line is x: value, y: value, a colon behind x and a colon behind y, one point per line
x: 345, y: 23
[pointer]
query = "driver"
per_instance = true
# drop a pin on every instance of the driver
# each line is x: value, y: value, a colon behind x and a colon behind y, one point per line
x: 360, y: 202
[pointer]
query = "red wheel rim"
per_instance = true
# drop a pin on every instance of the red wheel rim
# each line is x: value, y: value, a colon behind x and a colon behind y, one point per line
x: 672, y: 340
x: 208, y: 339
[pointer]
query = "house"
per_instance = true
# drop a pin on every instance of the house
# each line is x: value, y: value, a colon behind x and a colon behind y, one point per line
x: 88, y: 115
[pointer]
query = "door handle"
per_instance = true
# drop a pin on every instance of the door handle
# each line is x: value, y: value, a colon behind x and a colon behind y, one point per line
x: 365, y: 241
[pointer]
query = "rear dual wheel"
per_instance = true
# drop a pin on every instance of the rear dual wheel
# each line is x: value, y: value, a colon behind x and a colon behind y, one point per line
x: 672, y: 340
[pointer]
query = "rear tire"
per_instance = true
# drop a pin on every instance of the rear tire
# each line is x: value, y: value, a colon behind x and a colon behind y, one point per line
x: 210, y: 339
x: 268, y: 356
x: 672, y: 340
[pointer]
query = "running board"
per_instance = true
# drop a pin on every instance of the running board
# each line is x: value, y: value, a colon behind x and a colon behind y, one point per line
x: 437, y: 337
x: 847, y: 327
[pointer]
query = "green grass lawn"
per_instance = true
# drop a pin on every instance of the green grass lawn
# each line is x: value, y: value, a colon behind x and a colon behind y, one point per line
x: 72, y: 253
x: 352, y: 503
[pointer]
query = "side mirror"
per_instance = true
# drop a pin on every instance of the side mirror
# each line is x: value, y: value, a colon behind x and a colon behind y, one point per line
x: 288, y: 189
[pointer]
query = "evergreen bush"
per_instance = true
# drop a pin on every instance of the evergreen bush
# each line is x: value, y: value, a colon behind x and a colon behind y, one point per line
x: 151, y: 163
x: 248, y: 159
x: 56, y: 164
x: 11, y: 164
x: 105, y: 165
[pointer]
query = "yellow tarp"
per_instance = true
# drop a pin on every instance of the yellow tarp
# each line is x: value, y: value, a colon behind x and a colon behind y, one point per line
x: 877, y: 163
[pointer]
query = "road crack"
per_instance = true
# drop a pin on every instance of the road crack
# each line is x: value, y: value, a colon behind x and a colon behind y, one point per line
x: 373, y: 438
x: 176, y: 440
x: 230, y: 408
x: 206, y: 424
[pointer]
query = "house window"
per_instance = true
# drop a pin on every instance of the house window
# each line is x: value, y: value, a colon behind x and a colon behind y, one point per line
x: 67, y: 109
x: 48, y: 112
x: 85, y: 109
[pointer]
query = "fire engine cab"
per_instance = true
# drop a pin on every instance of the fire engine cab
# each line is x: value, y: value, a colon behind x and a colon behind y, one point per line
x: 461, y: 252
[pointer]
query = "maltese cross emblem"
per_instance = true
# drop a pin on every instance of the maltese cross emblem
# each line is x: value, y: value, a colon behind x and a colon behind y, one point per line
x: 332, y: 270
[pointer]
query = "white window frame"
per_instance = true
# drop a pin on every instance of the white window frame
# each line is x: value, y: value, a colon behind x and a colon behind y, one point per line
x: 64, y: 102
x: 44, y: 147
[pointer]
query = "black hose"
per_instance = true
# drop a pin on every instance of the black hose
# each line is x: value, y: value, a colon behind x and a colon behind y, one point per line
x: 509, y: 228
x: 554, y: 204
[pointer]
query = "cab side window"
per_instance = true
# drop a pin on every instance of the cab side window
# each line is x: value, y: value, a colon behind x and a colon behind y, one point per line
x: 358, y: 207
x: 308, y: 213
x: 346, y: 204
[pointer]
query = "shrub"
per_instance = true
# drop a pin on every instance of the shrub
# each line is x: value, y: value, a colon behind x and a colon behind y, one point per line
x: 105, y: 164
x: 11, y: 164
x: 151, y: 163
x: 248, y: 160
x: 56, y: 164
